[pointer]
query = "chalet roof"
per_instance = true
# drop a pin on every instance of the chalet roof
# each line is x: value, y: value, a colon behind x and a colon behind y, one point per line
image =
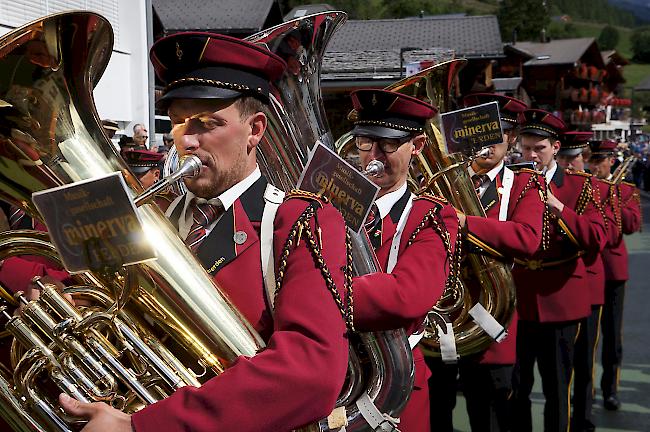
x: 227, y: 16
x: 468, y: 36
x: 614, y: 56
x: 561, y: 52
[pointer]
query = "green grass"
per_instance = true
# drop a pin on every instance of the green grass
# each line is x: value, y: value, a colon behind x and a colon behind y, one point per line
x: 590, y: 29
x: 634, y: 73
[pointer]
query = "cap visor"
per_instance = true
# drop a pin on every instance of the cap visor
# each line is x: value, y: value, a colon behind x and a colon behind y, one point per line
x: 571, y: 151
x: 196, y: 92
x: 535, y: 131
x: 378, y: 131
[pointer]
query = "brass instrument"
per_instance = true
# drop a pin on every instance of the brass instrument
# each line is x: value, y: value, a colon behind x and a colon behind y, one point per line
x: 51, y: 135
x: 621, y: 171
x: 296, y: 121
x: 436, y: 171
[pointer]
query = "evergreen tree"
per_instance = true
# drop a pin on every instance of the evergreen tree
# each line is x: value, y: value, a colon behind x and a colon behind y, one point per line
x: 526, y: 18
x: 641, y: 44
x: 608, y: 38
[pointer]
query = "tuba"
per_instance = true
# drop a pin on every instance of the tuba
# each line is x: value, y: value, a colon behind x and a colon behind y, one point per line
x: 50, y: 135
x: 384, y: 370
x: 436, y: 171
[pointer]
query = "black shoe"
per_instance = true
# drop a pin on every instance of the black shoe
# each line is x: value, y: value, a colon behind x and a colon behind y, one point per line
x: 612, y: 403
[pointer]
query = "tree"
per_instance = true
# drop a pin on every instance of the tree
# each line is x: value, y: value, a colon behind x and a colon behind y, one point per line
x: 526, y: 18
x: 608, y: 38
x: 641, y: 44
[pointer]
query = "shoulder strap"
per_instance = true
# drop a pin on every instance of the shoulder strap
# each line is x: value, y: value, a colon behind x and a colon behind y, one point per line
x: 273, y: 197
x: 508, y: 180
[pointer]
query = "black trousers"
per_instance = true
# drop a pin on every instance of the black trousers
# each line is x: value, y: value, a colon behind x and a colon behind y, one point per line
x: 584, y: 371
x: 612, y: 325
x: 487, y: 389
x: 551, y: 345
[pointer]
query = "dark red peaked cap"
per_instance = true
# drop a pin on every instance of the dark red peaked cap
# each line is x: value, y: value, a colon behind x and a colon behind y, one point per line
x: 509, y: 107
x: 141, y: 161
x: 200, y: 65
x: 602, y: 149
x: 386, y: 114
x: 540, y: 122
x: 574, y: 142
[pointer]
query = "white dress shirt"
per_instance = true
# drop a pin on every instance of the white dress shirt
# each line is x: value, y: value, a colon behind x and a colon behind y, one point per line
x: 386, y: 202
x: 492, y: 174
x: 227, y: 198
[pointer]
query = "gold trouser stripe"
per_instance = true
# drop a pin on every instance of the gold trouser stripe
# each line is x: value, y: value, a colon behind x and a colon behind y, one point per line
x: 593, y: 354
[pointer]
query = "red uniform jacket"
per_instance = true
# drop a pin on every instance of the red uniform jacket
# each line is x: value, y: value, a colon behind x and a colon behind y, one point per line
x: 296, y: 379
x: 403, y: 297
x: 519, y: 235
x: 594, y: 261
x: 17, y: 272
x: 629, y: 213
x: 552, y: 287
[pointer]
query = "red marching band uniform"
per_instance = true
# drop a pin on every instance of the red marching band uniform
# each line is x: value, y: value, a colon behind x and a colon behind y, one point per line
x: 552, y: 287
x: 296, y: 379
x: 402, y: 296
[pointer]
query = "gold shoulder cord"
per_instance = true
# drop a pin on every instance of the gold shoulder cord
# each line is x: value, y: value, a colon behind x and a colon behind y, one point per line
x: 301, y: 229
x: 533, y: 180
x: 453, y: 284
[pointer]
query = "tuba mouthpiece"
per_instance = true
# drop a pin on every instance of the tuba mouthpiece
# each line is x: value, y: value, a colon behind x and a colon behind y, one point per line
x: 190, y: 166
x: 374, y: 169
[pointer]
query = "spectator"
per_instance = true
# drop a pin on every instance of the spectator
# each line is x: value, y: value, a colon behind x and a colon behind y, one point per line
x: 638, y: 169
x: 110, y: 127
x: 140, y: 136
x: 168, y: 142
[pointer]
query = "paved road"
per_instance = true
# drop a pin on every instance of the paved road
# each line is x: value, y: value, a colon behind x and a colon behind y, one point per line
x: 634, y: 391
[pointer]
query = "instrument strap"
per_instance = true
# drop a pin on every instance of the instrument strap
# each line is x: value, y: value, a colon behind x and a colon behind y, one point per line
x: 393, y: 255
x: 508, y: 180
x: 375, y: 418
x: 487, y: 322
x: 447, y: 341
x: 273, y: 197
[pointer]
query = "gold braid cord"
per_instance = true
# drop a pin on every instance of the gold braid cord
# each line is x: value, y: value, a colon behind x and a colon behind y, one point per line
x: 636, y: 197
x: 590, y: 194
x: 432, y: 218
x: 301, y: 230
x: 615, y: 204
x: 534, y: 181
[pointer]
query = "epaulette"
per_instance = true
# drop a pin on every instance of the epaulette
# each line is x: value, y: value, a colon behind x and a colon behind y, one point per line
x: 628, y: 183
x: 306, y: 196
x: 526, y: 170
x: 579, y: 173
x: 609, y: 182
x: 433, y: 198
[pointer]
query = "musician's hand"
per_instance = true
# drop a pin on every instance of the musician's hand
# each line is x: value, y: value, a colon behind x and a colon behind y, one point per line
x: 554, y: 204
x: 33, y: 293
x: 101, y: 417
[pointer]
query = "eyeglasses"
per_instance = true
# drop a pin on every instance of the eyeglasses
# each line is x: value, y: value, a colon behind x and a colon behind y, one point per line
x: 387, y: 145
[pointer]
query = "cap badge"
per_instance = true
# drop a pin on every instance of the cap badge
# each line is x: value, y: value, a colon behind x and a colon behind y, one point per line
x: 179, y: 51
x: 534, y: 115
x: 374, y: 100
x: 240, y: 237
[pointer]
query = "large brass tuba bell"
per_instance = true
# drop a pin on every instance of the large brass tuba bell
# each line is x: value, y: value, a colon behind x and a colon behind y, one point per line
x: 50, y: 135
x: 296, y: 121
x: 436, y: 171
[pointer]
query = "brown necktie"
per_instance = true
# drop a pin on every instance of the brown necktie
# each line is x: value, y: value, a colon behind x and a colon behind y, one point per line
x: 204, y: 215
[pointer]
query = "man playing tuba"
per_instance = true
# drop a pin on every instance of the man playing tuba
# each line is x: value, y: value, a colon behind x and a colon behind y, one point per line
x: 216, y: 90
x: 414, y: 237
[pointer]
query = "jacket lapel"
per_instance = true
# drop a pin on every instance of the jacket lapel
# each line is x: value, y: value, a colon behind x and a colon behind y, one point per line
x: 235, y: 231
